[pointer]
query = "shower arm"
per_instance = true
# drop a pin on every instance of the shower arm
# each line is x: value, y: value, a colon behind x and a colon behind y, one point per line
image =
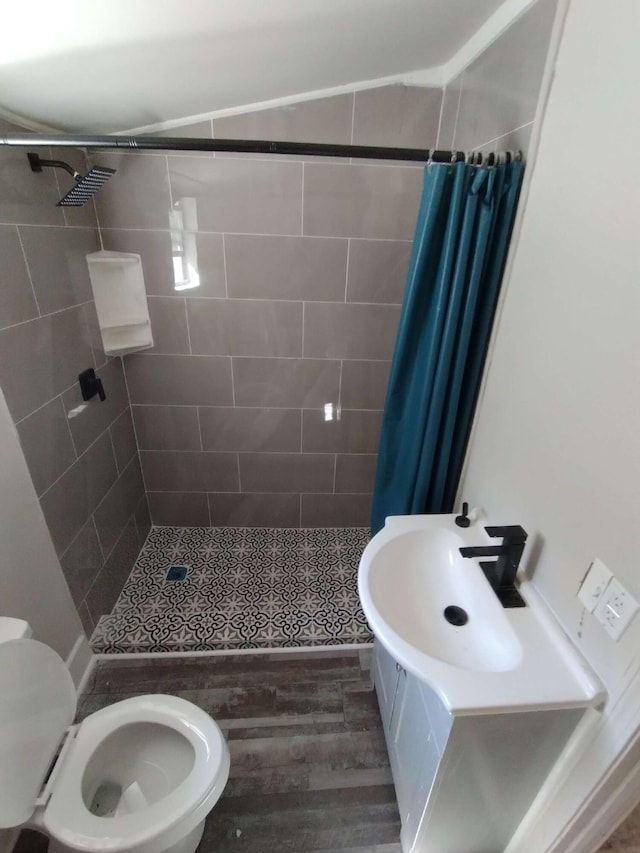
x: 37, y: 163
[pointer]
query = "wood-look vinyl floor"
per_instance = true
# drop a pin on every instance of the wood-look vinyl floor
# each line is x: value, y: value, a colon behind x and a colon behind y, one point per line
x: 309, y: 766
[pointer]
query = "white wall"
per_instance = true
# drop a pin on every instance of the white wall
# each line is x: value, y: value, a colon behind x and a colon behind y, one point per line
x: 557, y: 442
x: 556, y: 446
x: 32, y: 585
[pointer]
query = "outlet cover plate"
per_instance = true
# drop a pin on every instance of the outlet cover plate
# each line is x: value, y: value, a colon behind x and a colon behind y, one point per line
x: 594, y: 584
x: 616, y: 608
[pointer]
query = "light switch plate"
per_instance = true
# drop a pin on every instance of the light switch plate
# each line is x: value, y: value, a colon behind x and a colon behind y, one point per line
x: 616, y: 608
x: 594, y: 584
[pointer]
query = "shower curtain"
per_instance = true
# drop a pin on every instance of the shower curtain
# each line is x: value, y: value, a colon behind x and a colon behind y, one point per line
x: 460, y: 245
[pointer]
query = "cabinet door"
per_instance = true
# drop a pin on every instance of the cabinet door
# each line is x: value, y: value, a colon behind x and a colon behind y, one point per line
x: 385, y: 678
x: 413, y: 752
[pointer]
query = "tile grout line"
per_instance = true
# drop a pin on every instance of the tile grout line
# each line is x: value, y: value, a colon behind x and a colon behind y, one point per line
x: 113, y: 450
x: 73, y: 227
x: 106, y: 559
x: 295, y: 453
x: 172, y: 297
x: 224, y: 264
x: 135, y: 523
x: 133, y: 424
x: 45, y: 316
x: 250, y: 408
x: 503, y: 135
x: 133, y: 458
x: 186, y: 318
x: 95, y: 530
x: 62, y: 553
x: 44, y: 405
x: 302, y: 204
x: 220, y: 356
x: 233, y: 382
x: 94, y: 350
x: 238, y: 492
x: 64, y: 413
x: 346, y: 272
x: 236, y: 234
x: 66, y: 471
x: 27, y: 267
x: 197, y: 408
x: 166, y: 160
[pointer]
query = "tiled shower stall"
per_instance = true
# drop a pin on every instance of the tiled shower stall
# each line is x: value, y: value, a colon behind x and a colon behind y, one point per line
x: 260, y: 404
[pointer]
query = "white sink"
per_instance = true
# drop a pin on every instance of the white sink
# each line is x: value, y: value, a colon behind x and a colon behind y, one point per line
x: 412, y: 572
x: 411, y: 584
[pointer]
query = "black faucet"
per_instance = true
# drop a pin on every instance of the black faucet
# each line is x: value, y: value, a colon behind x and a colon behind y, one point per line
x: 501, y: 573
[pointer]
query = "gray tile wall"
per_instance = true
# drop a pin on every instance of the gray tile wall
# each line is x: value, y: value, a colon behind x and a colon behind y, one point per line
x: 492, y: 104
x: 83, y: 458
x: 260, y: 403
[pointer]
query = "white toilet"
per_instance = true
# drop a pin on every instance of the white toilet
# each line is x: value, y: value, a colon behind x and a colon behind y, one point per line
x: 139, y: 776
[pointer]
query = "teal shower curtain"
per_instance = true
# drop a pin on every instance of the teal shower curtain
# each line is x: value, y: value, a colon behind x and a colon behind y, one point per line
x: 460, y: 245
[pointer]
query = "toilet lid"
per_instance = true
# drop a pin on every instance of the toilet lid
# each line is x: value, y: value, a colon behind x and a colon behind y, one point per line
x: 37, y: 704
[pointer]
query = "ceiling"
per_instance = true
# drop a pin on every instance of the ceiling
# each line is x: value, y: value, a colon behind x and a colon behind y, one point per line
x: 112, y: 65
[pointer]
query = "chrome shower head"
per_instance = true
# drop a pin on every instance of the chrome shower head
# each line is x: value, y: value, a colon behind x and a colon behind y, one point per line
x: 86, y: 185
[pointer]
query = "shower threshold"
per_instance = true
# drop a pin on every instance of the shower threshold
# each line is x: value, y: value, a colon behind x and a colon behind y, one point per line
x: 198, y: 589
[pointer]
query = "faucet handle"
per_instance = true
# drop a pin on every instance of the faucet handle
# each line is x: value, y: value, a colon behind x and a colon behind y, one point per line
x: 512, y: 534
x: 463, y: 519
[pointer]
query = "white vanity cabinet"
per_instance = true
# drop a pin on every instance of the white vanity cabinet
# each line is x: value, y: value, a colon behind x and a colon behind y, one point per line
x: 463, y: 781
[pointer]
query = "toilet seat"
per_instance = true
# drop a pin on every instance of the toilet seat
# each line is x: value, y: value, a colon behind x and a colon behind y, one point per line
x: 68, y: 819
x: 165, y: 758
x: 66, y: 815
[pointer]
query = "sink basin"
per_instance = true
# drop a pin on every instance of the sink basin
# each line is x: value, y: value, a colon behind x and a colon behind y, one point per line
x: 412, y: 583
x: 416, y: 582
x: 438, y: 617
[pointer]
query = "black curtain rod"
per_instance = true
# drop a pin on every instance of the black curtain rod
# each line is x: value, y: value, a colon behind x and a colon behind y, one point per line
x: 250, y: 146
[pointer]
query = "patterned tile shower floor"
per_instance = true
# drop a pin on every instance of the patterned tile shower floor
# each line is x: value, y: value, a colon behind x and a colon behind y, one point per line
x: 245, y: 588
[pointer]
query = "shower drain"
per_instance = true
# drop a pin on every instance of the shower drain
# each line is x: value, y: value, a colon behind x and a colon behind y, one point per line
x: 177, y: 573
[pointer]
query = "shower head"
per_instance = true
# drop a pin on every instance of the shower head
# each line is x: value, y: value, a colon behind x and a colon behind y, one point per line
x: 86, y: 185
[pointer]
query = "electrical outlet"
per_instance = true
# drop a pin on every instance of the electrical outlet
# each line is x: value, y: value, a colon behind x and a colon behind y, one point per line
x: 594, y: 584
x: 616, y: 609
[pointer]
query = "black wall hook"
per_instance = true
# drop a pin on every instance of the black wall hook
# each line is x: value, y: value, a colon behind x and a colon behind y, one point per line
x: 90, y: 385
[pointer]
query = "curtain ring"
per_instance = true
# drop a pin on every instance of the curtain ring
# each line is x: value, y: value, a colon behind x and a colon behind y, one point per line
x: 454, y: 157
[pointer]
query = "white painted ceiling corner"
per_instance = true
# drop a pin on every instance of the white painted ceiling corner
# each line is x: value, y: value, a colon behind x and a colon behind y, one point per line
x: 150, y: 65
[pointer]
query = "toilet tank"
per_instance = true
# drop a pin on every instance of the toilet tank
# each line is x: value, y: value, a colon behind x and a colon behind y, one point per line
x: 13, y: 629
